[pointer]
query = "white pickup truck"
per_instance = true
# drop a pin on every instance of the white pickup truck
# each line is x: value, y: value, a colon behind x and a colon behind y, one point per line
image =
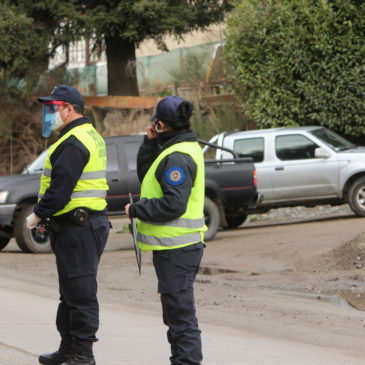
x: 303, y: 166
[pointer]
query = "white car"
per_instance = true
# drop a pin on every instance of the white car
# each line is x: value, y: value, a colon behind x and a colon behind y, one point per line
x: 301, y: 166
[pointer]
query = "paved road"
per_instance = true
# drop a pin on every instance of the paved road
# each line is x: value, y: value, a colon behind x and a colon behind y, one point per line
x: 132, y: 335
x: 135, y: 337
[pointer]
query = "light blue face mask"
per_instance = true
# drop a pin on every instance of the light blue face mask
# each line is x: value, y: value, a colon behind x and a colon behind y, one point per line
x: 51, y: 119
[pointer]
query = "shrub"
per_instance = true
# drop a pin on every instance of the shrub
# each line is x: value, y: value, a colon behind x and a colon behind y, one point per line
x: 299, y: 62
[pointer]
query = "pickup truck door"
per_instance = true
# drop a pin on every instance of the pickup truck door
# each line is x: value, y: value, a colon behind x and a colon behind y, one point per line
x: 115, y: 180
x: 255, y: 147
x: 297, y: 174
x: 131, y: 147
x: 122, y: 171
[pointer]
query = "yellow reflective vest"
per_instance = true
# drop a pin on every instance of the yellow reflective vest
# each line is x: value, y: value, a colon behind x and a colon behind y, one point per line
x: 90, y: 190
x: 190, y: 227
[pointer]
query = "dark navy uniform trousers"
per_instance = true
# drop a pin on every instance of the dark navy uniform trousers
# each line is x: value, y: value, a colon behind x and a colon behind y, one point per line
x: 78, y: 250
x: 176, y: 270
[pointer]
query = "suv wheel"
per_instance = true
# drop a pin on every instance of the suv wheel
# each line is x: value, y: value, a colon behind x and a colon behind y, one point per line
x: 356, y: 196
x: 212, y: 218
x: 34, y: 240
x: 234, y: 222
x: 4, y: 239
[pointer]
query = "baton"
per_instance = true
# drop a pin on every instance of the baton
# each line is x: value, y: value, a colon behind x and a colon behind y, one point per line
x: 137, y: 250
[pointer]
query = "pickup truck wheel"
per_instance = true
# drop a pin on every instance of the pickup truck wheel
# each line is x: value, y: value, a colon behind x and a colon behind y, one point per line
x: 34, y: 240
x: 356, y: 197
x: 4, y: 239
x: 212, y: 218
x: 234, y: 222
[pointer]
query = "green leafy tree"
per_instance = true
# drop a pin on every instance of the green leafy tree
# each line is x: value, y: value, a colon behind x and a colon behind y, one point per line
x: 30, y: 32
x: 123, y: 25
x: 299, y: 62
x: 21, y: 44
x: 119, y: 26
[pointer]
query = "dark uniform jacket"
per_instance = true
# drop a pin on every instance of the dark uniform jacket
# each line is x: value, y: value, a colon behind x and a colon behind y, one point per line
x: 174, y: 202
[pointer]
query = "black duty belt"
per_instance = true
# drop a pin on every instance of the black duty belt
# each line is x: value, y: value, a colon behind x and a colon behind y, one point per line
x: 78, y: 217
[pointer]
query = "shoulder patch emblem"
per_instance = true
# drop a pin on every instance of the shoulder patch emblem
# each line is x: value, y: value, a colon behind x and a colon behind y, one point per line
x: 175, y: 175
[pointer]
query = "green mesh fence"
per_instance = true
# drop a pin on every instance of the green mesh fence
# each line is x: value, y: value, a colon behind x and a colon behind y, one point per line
x: 152, y: 71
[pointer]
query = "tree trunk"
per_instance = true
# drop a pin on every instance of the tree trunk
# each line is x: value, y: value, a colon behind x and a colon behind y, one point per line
x: 122, y: 70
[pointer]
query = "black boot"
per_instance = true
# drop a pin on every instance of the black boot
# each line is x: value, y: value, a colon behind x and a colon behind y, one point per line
x: 58, y: 357
x: 82, y: 354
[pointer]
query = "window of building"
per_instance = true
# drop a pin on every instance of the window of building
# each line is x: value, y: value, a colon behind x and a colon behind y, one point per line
x: 77, y: 52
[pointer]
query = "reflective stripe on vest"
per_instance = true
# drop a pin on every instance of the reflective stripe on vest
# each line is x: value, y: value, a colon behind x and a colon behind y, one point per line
x: 84, y: 176
x: 181, y: 222
x: 84, y: 194
x: 169, y: 241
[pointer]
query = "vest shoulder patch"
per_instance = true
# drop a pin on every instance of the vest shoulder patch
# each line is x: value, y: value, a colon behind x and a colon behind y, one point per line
x: 175, y: 175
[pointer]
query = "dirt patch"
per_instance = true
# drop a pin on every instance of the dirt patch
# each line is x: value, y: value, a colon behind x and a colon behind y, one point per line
x: 348, y: 256
x: 346, y: 264
x: 354, y: 298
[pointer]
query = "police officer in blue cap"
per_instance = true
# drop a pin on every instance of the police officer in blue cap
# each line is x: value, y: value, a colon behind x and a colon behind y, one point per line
x: 72, y: 204
x: 170, y: 222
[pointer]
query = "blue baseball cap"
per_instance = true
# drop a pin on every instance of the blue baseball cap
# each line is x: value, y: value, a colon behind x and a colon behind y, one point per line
x: 65, y: 93
x: 168, y: 110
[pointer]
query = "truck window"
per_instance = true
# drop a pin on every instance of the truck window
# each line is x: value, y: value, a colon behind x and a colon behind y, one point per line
x: 112, y: 160
x: 294, y: 147
x: 37, y: 166
x: 332, y: 139
x: 250, y: 147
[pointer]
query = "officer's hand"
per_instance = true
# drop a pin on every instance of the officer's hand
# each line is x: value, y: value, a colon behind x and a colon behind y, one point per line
x: 126, y: 208
x: 151, y: 132
x: 32, y: 220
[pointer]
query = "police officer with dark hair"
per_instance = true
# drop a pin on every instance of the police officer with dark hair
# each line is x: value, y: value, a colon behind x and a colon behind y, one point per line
x: 170, y: 222
x: 72, y: 205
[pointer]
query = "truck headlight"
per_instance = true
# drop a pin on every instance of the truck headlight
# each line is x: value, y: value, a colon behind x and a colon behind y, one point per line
x: 3, y: 196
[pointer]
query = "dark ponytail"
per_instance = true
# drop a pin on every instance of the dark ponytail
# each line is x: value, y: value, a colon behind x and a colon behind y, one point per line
x: 184, y: 113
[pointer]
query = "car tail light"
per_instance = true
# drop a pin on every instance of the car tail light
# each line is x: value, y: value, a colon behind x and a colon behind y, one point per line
x: 254, y: 178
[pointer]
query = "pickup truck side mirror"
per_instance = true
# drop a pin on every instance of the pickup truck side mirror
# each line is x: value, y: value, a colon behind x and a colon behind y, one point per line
x: 321, y: 153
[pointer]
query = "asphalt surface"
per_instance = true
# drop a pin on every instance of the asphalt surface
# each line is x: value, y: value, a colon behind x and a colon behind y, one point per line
x: 136, y: 337
x: 271, y: 327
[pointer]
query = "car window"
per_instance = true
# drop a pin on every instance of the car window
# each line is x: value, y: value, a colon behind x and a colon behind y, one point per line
x: 332, y: 139
x: 131, y: 150
x: 112, y: 161
x: 37, y: 166
x: 250, y: 147
x: 294, y: 147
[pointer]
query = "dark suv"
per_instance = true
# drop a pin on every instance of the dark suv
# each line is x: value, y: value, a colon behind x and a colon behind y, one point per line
x: 230, y: 188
